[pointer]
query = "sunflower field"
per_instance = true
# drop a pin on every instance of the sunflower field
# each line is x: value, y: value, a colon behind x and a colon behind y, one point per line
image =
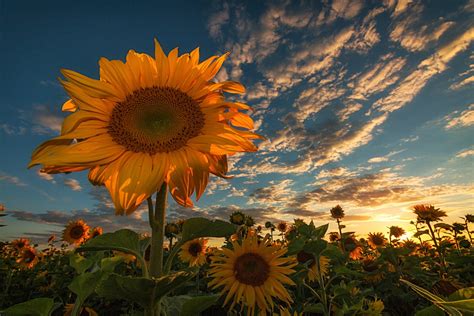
x: 160, y: 125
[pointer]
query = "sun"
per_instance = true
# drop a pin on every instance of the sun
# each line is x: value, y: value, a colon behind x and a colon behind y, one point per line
x: 149, y: 121
x: 252, y: 273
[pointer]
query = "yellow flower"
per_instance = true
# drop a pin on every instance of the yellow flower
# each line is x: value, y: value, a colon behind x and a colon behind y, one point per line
x: 376, y: 240
x: 76, y: 232
x: 28, y: 258
x: 97, y: 231
x: 194, y: 252
x: 252, y: 273
x: 396, y: 231
x: 428, y: 213
x: 314, y: 271
x: 149, y: 121
x: 282, y: 226
x: 20, y: 243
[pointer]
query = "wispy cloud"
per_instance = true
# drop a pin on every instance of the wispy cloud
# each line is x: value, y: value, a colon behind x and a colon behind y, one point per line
x: 463, y: 119
x: 73, y: 184
x: 465, y: 153
x: 11, y: 179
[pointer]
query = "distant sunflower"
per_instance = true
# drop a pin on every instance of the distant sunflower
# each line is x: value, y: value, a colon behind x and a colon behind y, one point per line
x: 28, y: 257
x: 171, y: 229
x: 194, y: 252
x: 20, y: 243
x: 282, y: 226
x: 252, y: 273
x: 337, y: 212
x: 237, y: 218
x: 314, y: 270
x: 396, y: 231
x: 376, y: 240
x: 76, y: 232
x: 148, y: 121
x: 428, y: 213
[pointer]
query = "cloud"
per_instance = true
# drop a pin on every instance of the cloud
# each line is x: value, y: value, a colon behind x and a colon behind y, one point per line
x: 463, y: 119
x: 413, y: 83
x: 412, y: 33
x: 45, y: 176
x: 11, y: 179
x: 384, y: 158
x: 217, y: 20
x: 275, y: 193
x: 349, y: 109
x: 73, y: 184
x: 9, y: 129
x: 465, y: 153
x: 45, y: 121
x: 465, y: 82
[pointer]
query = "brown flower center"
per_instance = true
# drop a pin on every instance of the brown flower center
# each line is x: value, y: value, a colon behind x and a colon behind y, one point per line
x: 77, y: 232
x: 156, y: 119
x: 251, y: 269
x: 28, y: 256
x: 195, y: 249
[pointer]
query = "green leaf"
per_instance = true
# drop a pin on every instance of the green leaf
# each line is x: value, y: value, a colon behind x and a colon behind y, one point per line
x: 462, y: 294
x: 84, y: 284
x: 140, y: 290
x: 315, y: 247
x: 295, y: 246
x: 108, y: 264
x: 202, y: 227
x: 80, y: 263
x: 314, y: 308
x: 35, y: 307
x: 464, y: 305
x: 320, y: 231
x: 198, y: 304
x: 124, y: 240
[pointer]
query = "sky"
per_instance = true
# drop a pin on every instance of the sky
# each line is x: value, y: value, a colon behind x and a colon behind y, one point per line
x: 366, y: 104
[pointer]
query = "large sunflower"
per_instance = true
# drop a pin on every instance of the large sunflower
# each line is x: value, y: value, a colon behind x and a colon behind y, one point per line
x: 76, y: 232
x: 252, y: 273
x: 149, y: 121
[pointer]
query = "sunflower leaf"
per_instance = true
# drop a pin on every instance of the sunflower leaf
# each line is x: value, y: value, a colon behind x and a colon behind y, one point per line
x: 124, y: 240
x: 202, y: 227
x: 36, y: 307
x: 138, y: 289
x: 84, y: 284
x: 315, y: 247
x: 196, y: 305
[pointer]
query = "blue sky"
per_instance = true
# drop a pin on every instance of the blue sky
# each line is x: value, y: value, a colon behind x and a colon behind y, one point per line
x: 367, y: 104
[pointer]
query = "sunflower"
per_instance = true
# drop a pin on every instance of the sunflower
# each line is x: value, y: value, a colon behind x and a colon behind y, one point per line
x: 237, y: 218
x: 146, y: 122
x: 314, y: 270
x: 171, y: 229
x: 20, y: 243
x: 282, y: 226
x: 76, y: 232
x: 333, y: 236
x: 410, y: 245
x: 396, y: 231
x: 252, y: 273
x: 428, y: 213
x: 28, y: 258
x: 194, y: 252
x: 97, y: 231
x: 376, y: 240
x: 337, y: 212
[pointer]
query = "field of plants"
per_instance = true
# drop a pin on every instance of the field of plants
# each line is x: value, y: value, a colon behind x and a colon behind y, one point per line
x: 276, y: 269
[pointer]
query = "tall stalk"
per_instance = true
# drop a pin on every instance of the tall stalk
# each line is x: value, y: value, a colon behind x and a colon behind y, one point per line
x: 440, y: 254
x: 467, y: 229
x: 341, y: 242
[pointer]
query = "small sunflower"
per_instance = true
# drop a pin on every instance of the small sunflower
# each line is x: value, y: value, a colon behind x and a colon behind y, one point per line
x: 396, y: 231
x: 428, y: 213
x: 97, y: 231
x: 249, y: 221
x: 252, y: 273
x: 29, y: 257
x: 337, y: 212
x: 20, y: 243
x: 353, y: 248
x: 171, y: 229
x: 149, y: 121
x: 333, y: 236
x: 76, y: 232
x: 410, y: 245
x: 194, y: 252
x: 376, y: 240
x: 469, y: 218
x: 282, y: 226
x: 237, y: 218
x: 269, y: 225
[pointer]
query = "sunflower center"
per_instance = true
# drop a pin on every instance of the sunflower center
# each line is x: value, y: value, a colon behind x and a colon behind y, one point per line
x: 156, y: 119
x: 251, y: 269
x: 77, y: 232
x: 29, y: 256
x: 194, y: 249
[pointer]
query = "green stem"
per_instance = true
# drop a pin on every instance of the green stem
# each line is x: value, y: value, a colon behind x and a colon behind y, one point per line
x: 341, y: 242
x: 173, y: 252
x: 157, y: 223
x: 468, y: 232
x: 440, y: 254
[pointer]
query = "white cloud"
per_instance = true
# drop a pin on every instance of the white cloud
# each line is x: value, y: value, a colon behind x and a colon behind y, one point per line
x: 463, y: 119
x: 73, y: 184
x: 465, y: 153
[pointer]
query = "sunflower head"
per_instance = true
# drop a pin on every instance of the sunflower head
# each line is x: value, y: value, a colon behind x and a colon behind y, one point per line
x: 20, y: 243
x: 333, y: 236
x: 465, y: 244
x: 194, y: 252
x: 396, y: 231
x: 171, y: 229
x: 376, y: 240
x: 369, y: 264
x: 410, y: 245
x: 428, y: 213
x: 458, y: 227
x: 76, y: 232
x: 314, y: 270
x: 29, y: 257
x: 337, y: 212
x: 469, y: 218
x: 249, y: 221
x: 282, y: 226
x: 148, y: 121
x: 237, y: 218
x: 96, y: 231
x: 269, y: 225
x: 252, y: 273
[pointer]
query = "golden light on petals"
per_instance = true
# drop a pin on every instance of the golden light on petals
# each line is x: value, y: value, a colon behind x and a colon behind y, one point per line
x: 253, y: 273
x: 28, y: 258
x: 76, y: 232
x: 194, y: 252
x: 146, y: 121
